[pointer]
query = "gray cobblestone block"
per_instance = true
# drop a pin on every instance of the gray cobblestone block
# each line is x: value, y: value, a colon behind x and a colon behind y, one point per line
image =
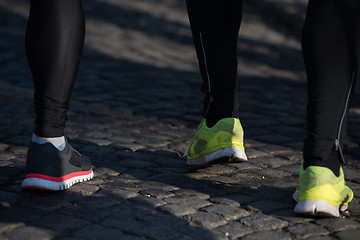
x: 153, y: 142
x: 71, y: 238
x: 4, y: 163
x: 135, y: 155
x: 218, y: 169
x: 181, y: 147
x: 351, y: 174
x: 168, y: 220
x: 94, y: 150
x: 100, y: 201
x: 128, y: 146
x: 8, y: 198
x: 348, y: 235
x: 147, y: 201
x: 175, y: 163
x: 250, y: 132
x: 118, y: 193
x: 225, y: 201
x: 256, y: 153
x: 96, y: 181
x: 8, y: 226
x: 337, y: 224
x: 225, y: 179
x: 135, y: 163
x: 240, y: 198
x: 130, y: 237
x: 242, y: 165
x: 208, y: 220
x: 183, y: 192
x: 166, y: 154
x: 46, y: 204
x: 173, y: 170
x: 96, y: 134
x: 264, y: 192
x: 290, y: 216
x: 2, y: 237
x: 125, y: 224
x: 306, y: 230
x: 157, y: 185
x: 140, y: 173
x: 272, y: 162
x: 97, y: 141
x: 3, y: 147
x: 199, y: 175
x: 5, y: 156
x: 234, y: 230
x: 122, y: 139
x: 103, y: 171
x: 277, y: 149
x: 159, y: 230
x: 19, y: 150
x: 269, y: 206
x: 190, y: 201
x: 97, y: 231
x: 156, y: 193
x: 170, y: 162
x: 124, y: 185
x: 184, y: 182
x: 274, y: 138
x: 195, y: 232
x: 227, y: 212
x: 354, y: 208
x: 19, y: 140
x: 85, y: 213
x: 3, y: 179
x: 84, y: 189
x: 263, y: 222
x: 293, y: 169
x: 268, y: 235
x: 32, y: 233
x: 179, y: 209
x: 322, y: 238
x: 166, y: 178
x: 273, y: 173
x: 61, y: 222
x: 287, y: 185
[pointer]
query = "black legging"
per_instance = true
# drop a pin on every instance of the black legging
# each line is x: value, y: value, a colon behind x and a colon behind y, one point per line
x: 331, y: 53
x: 55, y: 38
x: 215, y: 27
x: 54, y: 42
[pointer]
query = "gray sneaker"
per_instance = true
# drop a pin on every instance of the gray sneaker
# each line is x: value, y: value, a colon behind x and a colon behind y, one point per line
x: 47, y: 168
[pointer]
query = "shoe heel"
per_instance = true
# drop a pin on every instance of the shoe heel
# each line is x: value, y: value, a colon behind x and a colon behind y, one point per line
x: 316, y: 208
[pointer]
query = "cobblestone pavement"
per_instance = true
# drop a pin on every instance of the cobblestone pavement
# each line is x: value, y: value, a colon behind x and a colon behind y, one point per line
x: 135, y: 107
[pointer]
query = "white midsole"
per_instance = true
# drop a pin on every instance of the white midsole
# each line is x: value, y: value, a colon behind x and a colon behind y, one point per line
x: 55, y: 186
x: 317, y: 207
x: 231, y: 152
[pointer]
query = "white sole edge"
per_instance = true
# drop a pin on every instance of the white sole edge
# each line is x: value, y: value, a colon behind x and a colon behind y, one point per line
x: 317, y: 208
x: 54, y: 186
x: 230, y: 152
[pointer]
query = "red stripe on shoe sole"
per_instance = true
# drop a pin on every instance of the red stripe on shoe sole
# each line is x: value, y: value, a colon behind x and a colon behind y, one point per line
x: 59, y: 179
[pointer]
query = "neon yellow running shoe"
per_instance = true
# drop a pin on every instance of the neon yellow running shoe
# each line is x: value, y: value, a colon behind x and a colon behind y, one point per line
x: 222, y: 141
x: 321, y: 192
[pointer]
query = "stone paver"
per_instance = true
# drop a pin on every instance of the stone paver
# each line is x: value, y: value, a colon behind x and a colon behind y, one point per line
x: 135, y: 107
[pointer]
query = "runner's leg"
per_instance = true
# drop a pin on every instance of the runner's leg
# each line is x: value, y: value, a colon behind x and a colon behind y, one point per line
x: 54, y: 42
x: 215, y: 27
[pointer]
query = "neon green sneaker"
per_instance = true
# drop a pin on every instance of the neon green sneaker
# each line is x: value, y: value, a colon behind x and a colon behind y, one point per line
x: 224, y: 140
x: 321, y: 192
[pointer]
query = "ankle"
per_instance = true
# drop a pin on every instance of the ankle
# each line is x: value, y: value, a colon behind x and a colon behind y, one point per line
x: 58, y: 142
